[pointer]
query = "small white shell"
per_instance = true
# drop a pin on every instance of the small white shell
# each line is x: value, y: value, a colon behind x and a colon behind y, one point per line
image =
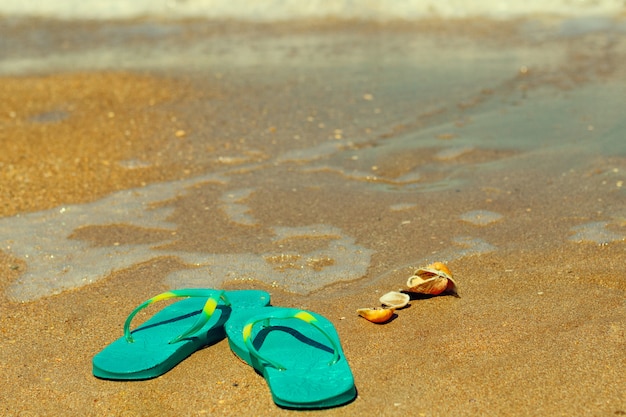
x: 395, y: 299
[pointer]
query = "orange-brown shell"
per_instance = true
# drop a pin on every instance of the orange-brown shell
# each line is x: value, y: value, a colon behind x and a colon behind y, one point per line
x: 435, y: 269
x: 433, y: 279
x: 376, y: 315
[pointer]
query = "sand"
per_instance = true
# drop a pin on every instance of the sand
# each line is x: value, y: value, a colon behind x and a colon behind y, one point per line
x: 540, y: 324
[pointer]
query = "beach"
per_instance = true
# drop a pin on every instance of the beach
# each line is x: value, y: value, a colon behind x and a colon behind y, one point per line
x: 322, y: 161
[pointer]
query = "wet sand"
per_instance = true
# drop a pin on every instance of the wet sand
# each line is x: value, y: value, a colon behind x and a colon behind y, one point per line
x: 540, y: 324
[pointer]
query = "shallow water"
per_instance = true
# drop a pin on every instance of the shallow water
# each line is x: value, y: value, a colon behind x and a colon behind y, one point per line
x: 337, y: 154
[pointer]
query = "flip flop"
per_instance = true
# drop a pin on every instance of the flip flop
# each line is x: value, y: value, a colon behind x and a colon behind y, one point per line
x: 173, y: 333
x: 297, y: 352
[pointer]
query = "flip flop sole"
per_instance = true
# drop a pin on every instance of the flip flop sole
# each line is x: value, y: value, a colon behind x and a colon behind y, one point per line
x: 151, y: 354
x: 314, y: 374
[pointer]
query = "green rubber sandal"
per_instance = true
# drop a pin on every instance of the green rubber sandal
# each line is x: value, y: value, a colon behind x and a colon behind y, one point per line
x: 298, y: 353
x: 173, y: 333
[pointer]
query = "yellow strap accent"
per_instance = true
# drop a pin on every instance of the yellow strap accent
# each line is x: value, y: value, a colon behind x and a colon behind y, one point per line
x: 210, y: 306
x: 305, y: 316
x: 163, y: 296
x: 247, y: 331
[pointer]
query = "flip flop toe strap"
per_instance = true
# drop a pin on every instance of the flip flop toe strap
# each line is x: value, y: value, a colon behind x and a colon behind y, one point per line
x: 301, y: 315
x: 213, y: 298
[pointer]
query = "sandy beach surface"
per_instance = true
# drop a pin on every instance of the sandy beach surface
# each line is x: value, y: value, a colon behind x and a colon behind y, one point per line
x: 321, y: 161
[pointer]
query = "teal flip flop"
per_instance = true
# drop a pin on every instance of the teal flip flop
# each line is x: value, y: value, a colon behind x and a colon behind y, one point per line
x: 173, y: 333
x: 298, y: 353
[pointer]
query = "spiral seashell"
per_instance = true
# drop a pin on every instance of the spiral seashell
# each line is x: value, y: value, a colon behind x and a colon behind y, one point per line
x: 433, y: 279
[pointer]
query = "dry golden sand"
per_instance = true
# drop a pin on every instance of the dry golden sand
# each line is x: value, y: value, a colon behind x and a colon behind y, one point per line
x: 103, y: 119
x: 538, y: 331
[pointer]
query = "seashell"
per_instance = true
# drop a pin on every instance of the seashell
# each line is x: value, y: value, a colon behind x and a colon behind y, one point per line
x: 376, y: 315
x: 395, y: 299
x: 434, y: 269
x: 433, y: 279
